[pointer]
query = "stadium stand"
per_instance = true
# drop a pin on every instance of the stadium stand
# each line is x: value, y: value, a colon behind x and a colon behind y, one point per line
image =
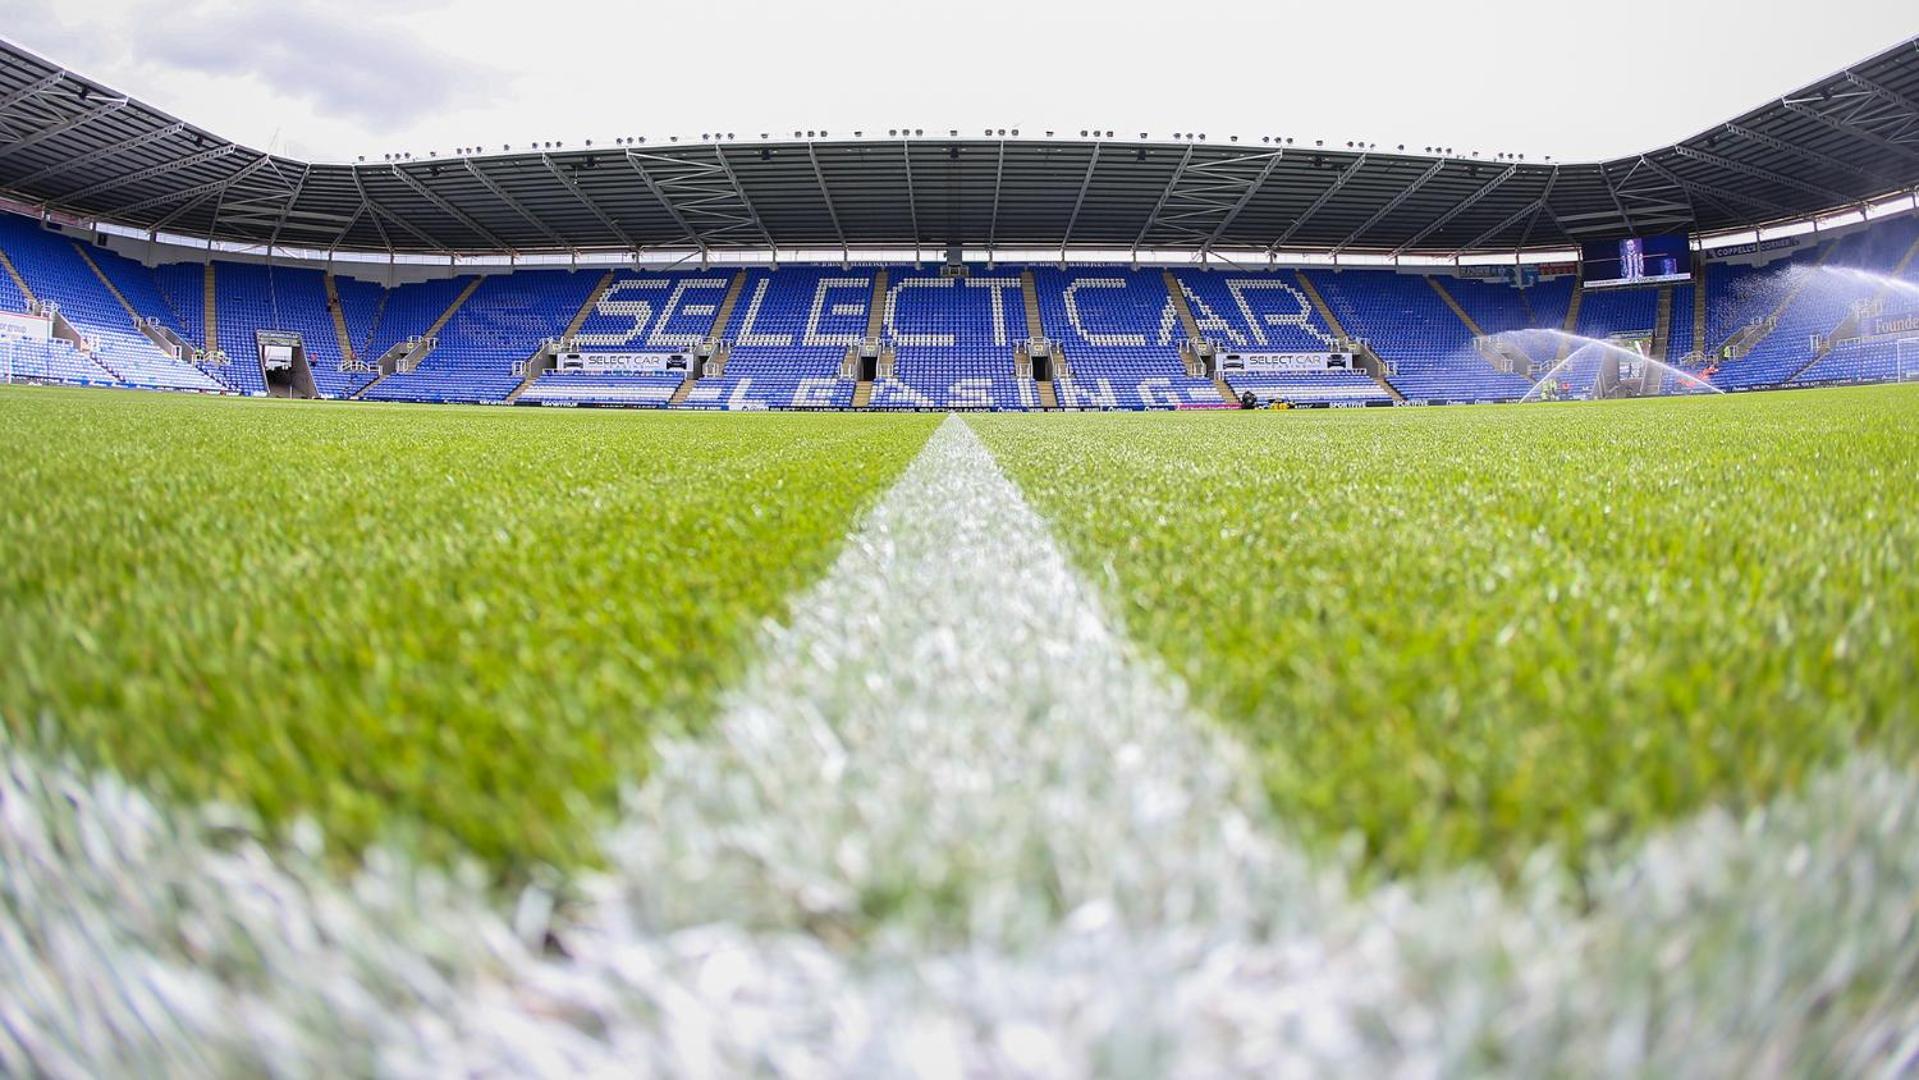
x: 636, y: 315
x: 790, y: 341
x: 1251, y: 312
x: 954, y: 340
x: 1430, y: 352
x: 1120, y: 337
x: 1826, y: 312
x: 481, y: 344
x: 55, y: 269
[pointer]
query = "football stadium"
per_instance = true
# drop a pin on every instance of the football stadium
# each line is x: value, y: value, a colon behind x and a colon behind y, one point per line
x: 960, y: 602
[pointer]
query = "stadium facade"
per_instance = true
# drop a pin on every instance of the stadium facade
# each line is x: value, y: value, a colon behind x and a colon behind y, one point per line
x: 910, y: 269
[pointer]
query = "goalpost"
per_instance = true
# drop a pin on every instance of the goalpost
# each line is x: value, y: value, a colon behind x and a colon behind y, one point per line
x: 1907, y: 351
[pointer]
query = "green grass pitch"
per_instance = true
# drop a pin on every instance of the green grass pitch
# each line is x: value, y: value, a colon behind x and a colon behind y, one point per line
x: 451, y: 628
x: 1456, y: 634
x: 1462, y: 633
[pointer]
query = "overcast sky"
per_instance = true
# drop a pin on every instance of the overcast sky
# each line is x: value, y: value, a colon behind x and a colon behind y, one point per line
x: 333, y: 79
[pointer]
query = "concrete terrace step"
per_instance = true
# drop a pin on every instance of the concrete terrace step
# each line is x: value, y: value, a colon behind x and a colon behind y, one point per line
x: 1451, y: 302
x: 18, y: 281
x: 340, y: 331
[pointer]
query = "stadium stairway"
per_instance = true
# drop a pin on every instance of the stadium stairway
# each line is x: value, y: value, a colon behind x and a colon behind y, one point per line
x: 209, y: 325
x: 453, y: 308
x: 339, y: 318
x: 1850, y: 323
x: 166, y: 343
x: 722, y: 319
x: 1451, y: 302
x: 875, y: 323
x: 1661, y: 339
x: 535, y: 364
x: 1187, y: 324
x: 1481, y: 343
x: 1699, y: 307
x: 1190, y: 326
x: 429, y: 333
x: 1225, y: 392
x: 1376, y: 366
x: 112, y: 289
x: 1043, y: 389
x: 1029, y: 296
x: 1571, y: 325
x: 18, y: 281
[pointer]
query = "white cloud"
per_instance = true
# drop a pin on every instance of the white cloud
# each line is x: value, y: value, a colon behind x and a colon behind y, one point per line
x: 340, y: 78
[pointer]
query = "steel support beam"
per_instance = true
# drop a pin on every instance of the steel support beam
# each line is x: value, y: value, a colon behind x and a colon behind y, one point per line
x: 1814, y: 156
x: 740, y: 193
x: 1889, y: 96
x: 105, y: 108
x: 1392, y: 204
x: 1458, y: 208
x: 373, y: 215
x: 819, y: 177
x: 198, y: 189
x: 1545, y: 208
x: 1085, y: 183
x: 513, y: 204
x: 1531, y: 209
x: 1345, y: 176
x: 33, y: 89
x: 152, y: 171
x: 1245, y: 198
x: 585, y: 200
x: 452, y: 211
x: 992, y: 223
x: 1715, y: 191
x: 287, y: 207
x: 1849, y: 130
x: 61, y: 168
x: 1758, y: 173
x: 912, y: 204
x: 666, y: 204
x: 1153, y: 218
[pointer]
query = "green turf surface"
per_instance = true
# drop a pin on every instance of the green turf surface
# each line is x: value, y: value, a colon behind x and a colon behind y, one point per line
x: 455, y: 627
x: 1462, y: 633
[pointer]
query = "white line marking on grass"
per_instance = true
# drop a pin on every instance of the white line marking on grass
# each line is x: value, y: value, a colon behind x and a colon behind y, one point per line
x: 953, y: 826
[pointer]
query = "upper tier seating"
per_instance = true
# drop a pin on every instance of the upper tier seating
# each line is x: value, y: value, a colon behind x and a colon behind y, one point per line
x: 638, y: 313
x: 790, y: 335
x: 1428, y: 349
x: 55, y: 270
x: 954, y: 340
x: 1497, y: 307
x: 1120, y: 335
x: 501, y: 325
x: 360, y: 304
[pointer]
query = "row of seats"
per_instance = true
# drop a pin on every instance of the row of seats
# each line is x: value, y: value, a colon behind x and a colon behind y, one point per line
x: 1118, y: 331
x: 55, y: 269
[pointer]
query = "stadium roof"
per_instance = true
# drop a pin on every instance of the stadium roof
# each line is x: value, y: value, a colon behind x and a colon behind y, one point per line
x: 71, y: 146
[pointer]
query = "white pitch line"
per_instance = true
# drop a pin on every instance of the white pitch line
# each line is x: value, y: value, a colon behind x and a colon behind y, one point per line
x: 954, y: 825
